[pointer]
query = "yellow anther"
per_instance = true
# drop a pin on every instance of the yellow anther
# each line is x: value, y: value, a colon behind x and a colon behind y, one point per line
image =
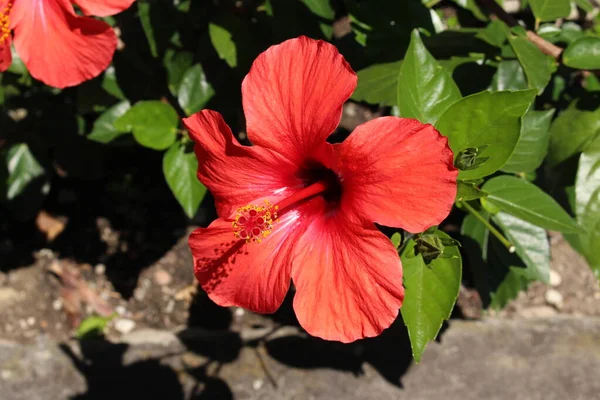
x: 5, y: 22
x: 253, y: 223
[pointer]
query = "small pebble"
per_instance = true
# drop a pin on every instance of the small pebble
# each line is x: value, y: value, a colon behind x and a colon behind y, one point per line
x: 162, y: 277
x: 30, y: 321
x: 23, y: 324
x: 555, y: 278
x: 120, y: 310
x: 537, y: 312
x: 57, y: 304
x: 170, y: 306
x: 100, y: 269
x: 139, y: 294
x: 257, y: 384
x: 554, y: 298
x: 124, y: 326
x: 239, y: 312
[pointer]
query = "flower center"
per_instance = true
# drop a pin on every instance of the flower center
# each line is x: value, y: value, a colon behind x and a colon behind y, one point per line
x: 5, y: 22
x: 253, y: 223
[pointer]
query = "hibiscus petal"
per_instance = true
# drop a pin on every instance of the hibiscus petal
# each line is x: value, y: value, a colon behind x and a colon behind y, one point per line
x: 255, y: 276
x: 103, y: 8
x: 398, y: 172
x: 5, y: 55
x: 348, y: 280
x: 235, y: 174
x: 58, y: 47
x: 293, y: 95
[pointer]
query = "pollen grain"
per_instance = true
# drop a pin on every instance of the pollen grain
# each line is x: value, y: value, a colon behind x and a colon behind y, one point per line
x: 253, y: 223
x: 5, y: 21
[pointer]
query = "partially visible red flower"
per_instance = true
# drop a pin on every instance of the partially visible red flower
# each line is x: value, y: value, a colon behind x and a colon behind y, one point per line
x: 59, y: 47
x: 294, y: 206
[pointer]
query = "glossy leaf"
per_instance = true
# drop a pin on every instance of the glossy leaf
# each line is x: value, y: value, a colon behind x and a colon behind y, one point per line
x: 583, y: 53
x: 396, y: 239
x: 92, y: 327
x: 153, y: 123
x: 532, y: 146
x: 467, y: 191
x: 538, y: 67
x: 528, y: 202
x: 573, y: 129
x: 223, y: 43
x: 587, y: 203
x: 509, y: 76
x: 498, y: 275
x: 23, y: 169
x: 378, y: 84
x: 430, y: 293
x: 194, y: 90
x: 179, y: 167
x: 425, y: 88
x: 104, y: 130
x: 487, y: 122
x: 549, y: 10
x: 495, y: 33
x: 531, y: 244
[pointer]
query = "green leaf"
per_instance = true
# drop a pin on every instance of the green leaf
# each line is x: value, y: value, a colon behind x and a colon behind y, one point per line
x: 223, y: 43
x: 430, y: 293
x: 396, y: 239
x: 144, y: 15
x: 425, y: 88
x: 495, y: 33
x: 177, y: 63
x: 194, y: 91
x: 104, y: 131
x: 179, y: 167
x: 532, y: 146
x: 531, y: 245
x: 549, y: 10
x: 538, y: 67
x: 573, y: 129
x: 583, y: 53
x: 587, y: 204
x: 472, y: 6
x: 468, y: 191
x: 153, y: 123
x: 23, y: 169
x: 378, y: 84
x: 526, y: 201
x: 509, y: 76
x: 322, y: 8
x: 92, y: 327
x: 488, y: 122
x: 497, y: 274
x: 110, y: 84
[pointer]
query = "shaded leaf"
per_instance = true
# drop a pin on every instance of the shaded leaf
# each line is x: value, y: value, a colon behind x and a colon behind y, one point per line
x: 179, y: 167
x: 23, y: 169
x: 509, y: 76
x: 573, y: 129
x: 531, y: 244
x: 467, y: 191
x: 532, y: 146
x: 378, y: 84
x: 103, y: 130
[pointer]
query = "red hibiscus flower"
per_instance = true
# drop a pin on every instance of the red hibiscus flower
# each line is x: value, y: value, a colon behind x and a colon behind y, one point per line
x: 294, y: 206
x: 59, y: 47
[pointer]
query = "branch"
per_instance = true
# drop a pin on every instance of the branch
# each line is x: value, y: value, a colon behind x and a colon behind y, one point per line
x: 545, y: 46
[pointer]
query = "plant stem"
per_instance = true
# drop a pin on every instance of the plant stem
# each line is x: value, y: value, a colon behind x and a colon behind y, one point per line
x: 545, y: 46
x: 495, y: 232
